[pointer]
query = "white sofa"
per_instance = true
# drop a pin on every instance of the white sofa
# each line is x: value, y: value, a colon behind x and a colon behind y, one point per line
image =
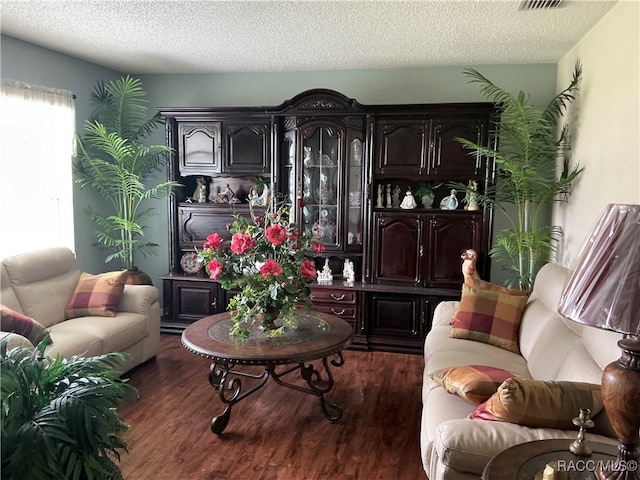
x: 552, y: 348
x: 39, y: 284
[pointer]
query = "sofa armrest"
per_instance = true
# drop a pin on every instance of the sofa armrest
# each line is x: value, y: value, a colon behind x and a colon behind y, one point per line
x: 14, y: 340
x: 138, y: 298
x: 444, y: 312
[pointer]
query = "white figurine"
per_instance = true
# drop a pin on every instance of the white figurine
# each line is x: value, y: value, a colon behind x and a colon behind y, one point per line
x: 450, y: 202
x: 326, y: 275
x: 379, y: 203
x: 409, y: 201
x: 395, y: 201
x: 347, y: 271
x: 388, y: 195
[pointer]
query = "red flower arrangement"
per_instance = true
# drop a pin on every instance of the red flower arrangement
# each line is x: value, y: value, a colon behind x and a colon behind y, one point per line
x: 269, y: 261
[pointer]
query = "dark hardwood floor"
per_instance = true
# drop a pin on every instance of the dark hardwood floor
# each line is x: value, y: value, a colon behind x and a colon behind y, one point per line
x: 276, y: 433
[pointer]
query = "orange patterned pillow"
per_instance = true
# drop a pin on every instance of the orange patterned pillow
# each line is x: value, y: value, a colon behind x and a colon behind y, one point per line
x: 97, y: 295
x: 16, y: 322
x: 474, y: 383
x: 489, y: 316
x: 537, y: 403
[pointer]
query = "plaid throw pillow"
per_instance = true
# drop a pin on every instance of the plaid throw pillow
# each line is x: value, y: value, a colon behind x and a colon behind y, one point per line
x: 474, y: 383
x: 489, y: 316
x: 97, y: 295
x: 536, y: 403
x: 16, y: 322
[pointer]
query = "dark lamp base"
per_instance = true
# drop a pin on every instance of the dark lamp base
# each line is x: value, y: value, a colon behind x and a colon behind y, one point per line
x: 621, y: 397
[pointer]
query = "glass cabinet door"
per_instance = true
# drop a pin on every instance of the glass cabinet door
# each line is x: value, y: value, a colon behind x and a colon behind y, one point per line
x: 321, y: 183
x: 355, y: 156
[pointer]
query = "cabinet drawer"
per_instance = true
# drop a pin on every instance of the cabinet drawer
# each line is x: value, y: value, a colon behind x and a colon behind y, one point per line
x: 346, y: 312
x: 333, y: 296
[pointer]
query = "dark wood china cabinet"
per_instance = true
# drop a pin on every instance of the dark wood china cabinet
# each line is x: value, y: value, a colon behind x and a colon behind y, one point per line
x: 332, y: 159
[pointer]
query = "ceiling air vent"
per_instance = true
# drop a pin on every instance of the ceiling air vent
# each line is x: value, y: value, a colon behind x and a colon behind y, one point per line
x: 539, y: 4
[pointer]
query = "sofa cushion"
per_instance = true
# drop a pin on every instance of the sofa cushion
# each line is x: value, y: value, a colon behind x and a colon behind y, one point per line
x: 96, y: 295
x: 473, y: 383
x: 488, y: 316
x: 16, y: 322
x: 43, y: 281
x: 537, y: 403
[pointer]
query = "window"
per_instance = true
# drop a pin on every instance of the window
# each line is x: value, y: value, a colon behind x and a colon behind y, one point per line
x: 37, y: 125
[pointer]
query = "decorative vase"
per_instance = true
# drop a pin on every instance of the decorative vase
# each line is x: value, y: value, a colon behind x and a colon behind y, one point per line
x: 427, y: 200
x: 138, y: 277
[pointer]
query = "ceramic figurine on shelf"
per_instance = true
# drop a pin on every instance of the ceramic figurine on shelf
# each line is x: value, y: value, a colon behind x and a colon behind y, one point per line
x: 308, y: 156
x: 472, y: 196
x: 200, y: 193
x: 226, y: 196
x: 450, y: 202
x: 326, y: 275
x: 395, y: 201
x: 389, y: 195
x: 379, y: 202
x: 408, y: 202
x: 348, y: 273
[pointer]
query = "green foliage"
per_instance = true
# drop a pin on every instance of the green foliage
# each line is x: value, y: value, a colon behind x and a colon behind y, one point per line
x: 59, y: 416
x: 113, y: 161
x: 268, y: 261
x: 531, y: 146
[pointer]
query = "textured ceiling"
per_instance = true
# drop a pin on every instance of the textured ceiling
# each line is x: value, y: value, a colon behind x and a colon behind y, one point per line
x: 211, y: 36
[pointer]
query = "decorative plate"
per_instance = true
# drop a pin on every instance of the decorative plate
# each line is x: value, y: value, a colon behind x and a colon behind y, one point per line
x: 190, y: 264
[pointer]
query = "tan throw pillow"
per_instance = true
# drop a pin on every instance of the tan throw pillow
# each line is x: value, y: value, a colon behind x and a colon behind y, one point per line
x: 97, y: 295
x: 537, y: 403
x: 16, y: 322
x: 489, y: 316
x: 474, y: 383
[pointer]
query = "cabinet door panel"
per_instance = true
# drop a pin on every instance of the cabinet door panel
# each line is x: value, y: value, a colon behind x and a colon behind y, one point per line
x: 449, y: 236
x: 247, y: 147
x: 199, y: 148
x: 451, y: 160
x: 196, y: 222
x: 395, y: 315
x: 397, y: 249
x: 402, y: 147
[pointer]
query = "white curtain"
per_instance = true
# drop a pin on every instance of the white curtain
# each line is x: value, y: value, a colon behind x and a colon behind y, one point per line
x: 37, y: 127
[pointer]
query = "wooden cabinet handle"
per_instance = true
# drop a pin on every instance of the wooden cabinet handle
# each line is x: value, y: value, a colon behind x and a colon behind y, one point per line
x: 333, y: 310
x: 337, y: 297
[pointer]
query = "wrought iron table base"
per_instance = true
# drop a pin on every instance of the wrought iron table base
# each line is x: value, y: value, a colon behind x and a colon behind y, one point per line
x: 227, y: 381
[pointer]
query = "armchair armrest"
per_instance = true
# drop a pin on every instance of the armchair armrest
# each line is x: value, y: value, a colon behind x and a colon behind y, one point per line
x: 444, y: 312
x: 138, y: 298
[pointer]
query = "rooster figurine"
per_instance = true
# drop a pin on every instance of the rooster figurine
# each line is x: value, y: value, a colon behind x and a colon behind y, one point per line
x: 471, y: 277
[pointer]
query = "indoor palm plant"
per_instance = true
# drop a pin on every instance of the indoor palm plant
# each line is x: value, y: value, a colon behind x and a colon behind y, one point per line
x: 531, y: 146
x: 59, y: 416
x: 114, y: 162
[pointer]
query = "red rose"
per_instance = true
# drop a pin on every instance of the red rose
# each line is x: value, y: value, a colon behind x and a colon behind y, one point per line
x: 270, y: 267
x: 293, y: 236
x: 308, y: 269
x: 241, y: 243
x: 214, y: 241
x: 317, y: 247
x: 215, y: 268
x: 276, y: 234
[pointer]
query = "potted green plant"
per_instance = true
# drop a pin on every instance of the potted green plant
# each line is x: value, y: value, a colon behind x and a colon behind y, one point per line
x: 59, y: 417
x: 425, y: 192
x: 114, y: 162
x: 531, y: 145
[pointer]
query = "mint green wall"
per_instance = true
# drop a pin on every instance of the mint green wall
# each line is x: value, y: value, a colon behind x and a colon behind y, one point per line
x: 30, y: 63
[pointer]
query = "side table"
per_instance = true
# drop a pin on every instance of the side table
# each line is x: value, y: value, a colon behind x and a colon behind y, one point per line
x: 526, y: 461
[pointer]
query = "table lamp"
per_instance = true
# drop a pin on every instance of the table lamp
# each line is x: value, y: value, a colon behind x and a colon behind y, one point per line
x: 604, y: 292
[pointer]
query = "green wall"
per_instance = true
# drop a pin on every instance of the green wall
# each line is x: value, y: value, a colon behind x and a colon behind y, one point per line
x: 30, y: 63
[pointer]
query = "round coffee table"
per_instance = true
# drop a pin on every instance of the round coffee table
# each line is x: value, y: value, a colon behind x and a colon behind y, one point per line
x: 318, y: 337
x: 526, y: 461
